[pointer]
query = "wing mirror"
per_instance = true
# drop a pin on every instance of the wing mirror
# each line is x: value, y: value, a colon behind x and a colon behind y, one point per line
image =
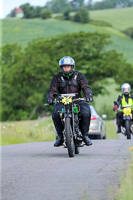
x: 104, y: 116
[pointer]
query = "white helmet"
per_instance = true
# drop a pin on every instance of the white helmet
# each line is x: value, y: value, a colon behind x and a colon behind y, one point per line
x: 67, y: 60
x: 125, y: 88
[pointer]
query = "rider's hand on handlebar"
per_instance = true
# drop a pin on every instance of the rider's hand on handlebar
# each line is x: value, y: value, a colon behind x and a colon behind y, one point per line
x: 115, y: 108
x: 90, y: 99
x: 50, y: 101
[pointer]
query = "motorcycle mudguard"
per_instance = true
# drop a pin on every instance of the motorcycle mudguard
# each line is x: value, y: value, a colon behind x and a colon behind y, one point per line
x: 127, y: 117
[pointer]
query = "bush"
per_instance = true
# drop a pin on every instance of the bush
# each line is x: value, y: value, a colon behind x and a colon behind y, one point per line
x: 77, y: 17
x: 46, y: 14
x: 66, y: 14
x: 59, y: 17
x: 100, y: 23
x: 81, y: 16
x: 129, y: 32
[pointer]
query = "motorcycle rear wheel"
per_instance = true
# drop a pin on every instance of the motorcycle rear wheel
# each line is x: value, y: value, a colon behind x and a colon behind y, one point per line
x: 127, y: 127
x: 69, y: 138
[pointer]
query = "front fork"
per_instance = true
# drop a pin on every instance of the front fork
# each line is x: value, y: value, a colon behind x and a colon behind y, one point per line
x: 69, y: 113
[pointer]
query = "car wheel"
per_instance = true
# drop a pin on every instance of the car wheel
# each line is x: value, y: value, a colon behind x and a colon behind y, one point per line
x: 104, y: 137
x: 99, y: 137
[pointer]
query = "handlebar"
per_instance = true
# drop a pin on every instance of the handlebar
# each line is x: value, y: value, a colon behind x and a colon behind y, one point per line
x: 59, y: 100
x: 80, y: 99
x: 54, y: 102
x: 126, y: 106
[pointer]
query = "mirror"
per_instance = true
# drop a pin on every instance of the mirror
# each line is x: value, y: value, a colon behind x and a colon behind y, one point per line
x: 104, y: 116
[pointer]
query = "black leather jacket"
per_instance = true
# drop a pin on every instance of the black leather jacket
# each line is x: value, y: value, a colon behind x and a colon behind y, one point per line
x: 72, y: 84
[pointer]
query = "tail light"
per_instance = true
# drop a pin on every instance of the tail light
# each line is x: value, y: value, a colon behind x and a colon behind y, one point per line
x: 93, y: 117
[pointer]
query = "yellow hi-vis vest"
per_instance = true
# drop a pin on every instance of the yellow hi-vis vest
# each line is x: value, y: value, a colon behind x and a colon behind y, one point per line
x: 124, y: 103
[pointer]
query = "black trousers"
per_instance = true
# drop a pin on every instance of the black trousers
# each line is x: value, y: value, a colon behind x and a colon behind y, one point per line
x: 84, y: 115
x: 119, y: 118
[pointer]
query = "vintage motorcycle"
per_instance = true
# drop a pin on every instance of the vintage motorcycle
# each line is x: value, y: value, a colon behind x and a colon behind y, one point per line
x: 69, y: 117
x: 127, y: 124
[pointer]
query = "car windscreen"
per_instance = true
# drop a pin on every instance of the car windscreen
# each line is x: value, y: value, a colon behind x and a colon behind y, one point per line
x: 93, y: 111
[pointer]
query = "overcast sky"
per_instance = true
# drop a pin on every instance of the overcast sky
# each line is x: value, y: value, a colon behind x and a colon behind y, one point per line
x: 7, y: 5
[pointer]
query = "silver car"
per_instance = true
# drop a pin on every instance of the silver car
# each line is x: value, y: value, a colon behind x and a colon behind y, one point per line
x: 97, y: 125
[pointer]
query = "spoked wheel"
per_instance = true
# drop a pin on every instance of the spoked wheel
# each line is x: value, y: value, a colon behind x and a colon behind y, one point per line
x: 127, y: 127
x: 69, y: 138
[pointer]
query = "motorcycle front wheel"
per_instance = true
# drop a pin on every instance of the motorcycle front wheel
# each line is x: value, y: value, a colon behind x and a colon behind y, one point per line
x: 127, y: 127
x: 69, y: 138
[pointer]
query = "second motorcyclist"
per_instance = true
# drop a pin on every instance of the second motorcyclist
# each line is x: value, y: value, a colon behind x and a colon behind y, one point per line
x: 125, y: 99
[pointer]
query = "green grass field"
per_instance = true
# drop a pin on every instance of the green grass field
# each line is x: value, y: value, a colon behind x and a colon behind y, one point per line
x: 120, y: 19
x: 23, y: 31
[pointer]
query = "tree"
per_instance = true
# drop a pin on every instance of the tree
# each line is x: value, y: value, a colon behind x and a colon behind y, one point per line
x: 46, y: 14
x: 11, y: 56
x: 106, y: 4
x: 76, y: 4
x: 28, y: 10
x: 37, y: 11
x: 77, y: 17
x: 82, y: 15
x: 66, y: 14
x: 90, y: 5
x: 57, y: 6
x: 12, y: 14
x: 129, y: 32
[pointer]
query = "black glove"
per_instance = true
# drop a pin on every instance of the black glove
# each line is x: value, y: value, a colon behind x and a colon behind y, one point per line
x: 50, y: 101
x: 90, y: 99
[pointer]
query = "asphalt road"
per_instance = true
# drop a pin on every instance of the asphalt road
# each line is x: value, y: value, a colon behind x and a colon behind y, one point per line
x: 39, y: 171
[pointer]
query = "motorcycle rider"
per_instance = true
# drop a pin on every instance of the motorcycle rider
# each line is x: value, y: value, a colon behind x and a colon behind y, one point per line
x: 65, y: 82
x: 125, y: 99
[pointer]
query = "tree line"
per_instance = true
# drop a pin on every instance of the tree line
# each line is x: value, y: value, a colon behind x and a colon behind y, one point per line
x: 108, y: 4
x: 26, y: 74
x: 60, y: 6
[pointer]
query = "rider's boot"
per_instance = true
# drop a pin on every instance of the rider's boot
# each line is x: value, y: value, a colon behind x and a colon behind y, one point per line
x: 59, y: 140
x: 86, y: 139
x: 79, y: 135
x: 118, y: 129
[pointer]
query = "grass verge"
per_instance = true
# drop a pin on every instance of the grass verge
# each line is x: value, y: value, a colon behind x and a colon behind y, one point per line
x: 125, y: 191
x: 111, y: 130
x: 37, y: 131
x: 27, y: 131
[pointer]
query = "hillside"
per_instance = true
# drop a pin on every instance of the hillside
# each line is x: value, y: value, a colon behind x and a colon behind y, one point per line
x: 120, y: 19
x: 23, y: 31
